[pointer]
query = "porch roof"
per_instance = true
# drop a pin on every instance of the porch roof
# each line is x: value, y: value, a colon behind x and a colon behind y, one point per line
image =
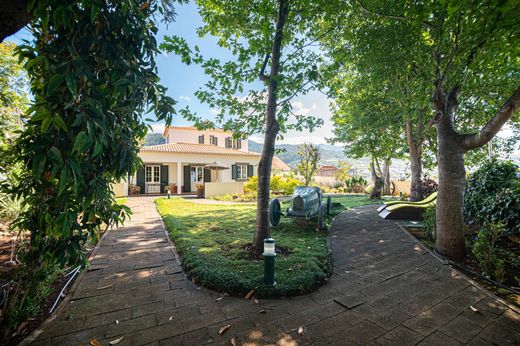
x: 191, y: 148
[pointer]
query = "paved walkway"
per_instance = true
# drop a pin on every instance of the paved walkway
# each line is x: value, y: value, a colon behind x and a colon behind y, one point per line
x: 385, y: 290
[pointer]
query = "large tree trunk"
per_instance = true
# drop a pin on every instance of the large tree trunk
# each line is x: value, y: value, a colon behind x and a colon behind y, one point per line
x: 452, y: 174
x: 272, y: 128
x: 387, y: 182
x: 450, y: 198
x: 377, y: 179
x: 415, y: 151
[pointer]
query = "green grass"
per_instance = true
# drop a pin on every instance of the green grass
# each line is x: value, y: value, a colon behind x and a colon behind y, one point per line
x: 212, y: 241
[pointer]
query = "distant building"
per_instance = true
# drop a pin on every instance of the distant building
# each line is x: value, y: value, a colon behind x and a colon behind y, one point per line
x: 327, y: 171
x: 279, y: 165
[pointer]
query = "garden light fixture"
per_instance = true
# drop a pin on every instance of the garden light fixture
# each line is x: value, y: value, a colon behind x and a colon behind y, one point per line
x: 269, y: 255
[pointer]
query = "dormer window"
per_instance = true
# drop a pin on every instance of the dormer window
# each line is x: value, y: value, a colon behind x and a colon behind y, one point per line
x: 233, y: 143
x: 201, y: 139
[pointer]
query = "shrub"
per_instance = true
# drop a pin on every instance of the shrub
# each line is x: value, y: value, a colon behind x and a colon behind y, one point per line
x: 251, y: 186
x: 429, y: 222
x: 428, y: 186
x: 485, y: 250
x: 284, y: 186
x: 355, y: 185
x: 493, y: 195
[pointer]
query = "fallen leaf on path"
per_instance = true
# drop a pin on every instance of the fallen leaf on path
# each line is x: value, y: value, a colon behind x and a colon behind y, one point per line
x: 474, y: 309
x: 250, y: 294
x: 234, y: 342
x: 300, y: 330
x: 171, y: 318
x: 262, y: 311
x: 116, y: 341
x: 256, y: 301
x: 117, y: 321
x: 103, y: 287
x: 218, y: 299
x: 223, y: 329
x: 95, y: 342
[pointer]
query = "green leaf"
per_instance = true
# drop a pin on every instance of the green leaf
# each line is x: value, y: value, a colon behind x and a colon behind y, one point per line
x: 55, y: 154
x: 54, y: 83
x: 60, y: 123
x: 71, y: 83
x: 98, y: 148
x: 64, y: 180
x: 80, y: 141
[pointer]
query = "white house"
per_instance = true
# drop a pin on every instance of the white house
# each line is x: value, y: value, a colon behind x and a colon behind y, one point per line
x: 211, y: 158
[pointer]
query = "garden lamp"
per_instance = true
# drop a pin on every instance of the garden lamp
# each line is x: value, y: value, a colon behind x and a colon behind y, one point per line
x: 269, y: 255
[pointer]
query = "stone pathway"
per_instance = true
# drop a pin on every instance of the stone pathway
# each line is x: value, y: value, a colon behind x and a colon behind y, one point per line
x: 385, y: 290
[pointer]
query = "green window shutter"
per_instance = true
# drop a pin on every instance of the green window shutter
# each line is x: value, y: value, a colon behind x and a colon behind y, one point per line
x: 201, y: 139
x: 239, y: 144
x: 234, y: 172
x: 140, y: 178
x: 187, y: 179
x: 229, y: 142
x: 207, y: 175
x: 164, y: 175
x: 250, y: 171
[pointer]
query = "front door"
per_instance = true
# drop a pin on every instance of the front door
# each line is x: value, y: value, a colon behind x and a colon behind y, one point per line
x: 152, y: 178
x: 196, y: 176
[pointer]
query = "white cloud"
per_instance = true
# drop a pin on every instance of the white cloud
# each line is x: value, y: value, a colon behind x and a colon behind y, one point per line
x: 184, y: 98
x: 214, y: 111
x: 157, y: 127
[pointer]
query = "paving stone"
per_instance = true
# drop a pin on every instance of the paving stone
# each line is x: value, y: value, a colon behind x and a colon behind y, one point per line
x: 351, y: 301
x: 461, y: 329
x: 129, y: 326
x: 438, y: 338
x: 385, y: 290
x: 497, y: 331
x: 359, y: 334
x: 400, y: 336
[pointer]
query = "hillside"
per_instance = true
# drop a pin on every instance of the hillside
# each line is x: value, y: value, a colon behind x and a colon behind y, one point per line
x: 330, y: 155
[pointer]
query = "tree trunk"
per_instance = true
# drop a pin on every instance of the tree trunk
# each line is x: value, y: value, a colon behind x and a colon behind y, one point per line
x: 377, y: 180
x: 415, y: 151
x: 452, y: 174
x: 272, y: 128
x: 387, y: 183
x: 450, y: 198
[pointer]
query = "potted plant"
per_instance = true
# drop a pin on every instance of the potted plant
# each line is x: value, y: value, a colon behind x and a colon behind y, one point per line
x: 200, y: 190
x: 173, y: 188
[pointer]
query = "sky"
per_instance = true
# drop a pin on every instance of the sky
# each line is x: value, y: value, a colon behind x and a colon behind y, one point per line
x: 182, y: 80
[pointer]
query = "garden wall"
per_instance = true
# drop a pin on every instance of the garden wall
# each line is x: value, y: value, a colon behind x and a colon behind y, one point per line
x: 219, y: 189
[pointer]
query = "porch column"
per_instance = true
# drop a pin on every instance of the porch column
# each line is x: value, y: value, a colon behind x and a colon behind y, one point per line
x: 179, y: 178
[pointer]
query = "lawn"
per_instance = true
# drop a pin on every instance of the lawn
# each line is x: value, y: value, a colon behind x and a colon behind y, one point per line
x: 212, y: 241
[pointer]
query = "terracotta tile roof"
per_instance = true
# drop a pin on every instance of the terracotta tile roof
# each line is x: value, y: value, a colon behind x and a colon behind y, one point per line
x: 191, y: 148
x: 280, y: 165
x: 193, y: 128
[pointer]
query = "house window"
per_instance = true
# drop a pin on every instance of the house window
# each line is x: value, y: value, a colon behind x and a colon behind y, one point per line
x: 201, y: 139
x: 241, y: 172
x: 213, y: 140
x: 152, y: 174
x: 233, y: 143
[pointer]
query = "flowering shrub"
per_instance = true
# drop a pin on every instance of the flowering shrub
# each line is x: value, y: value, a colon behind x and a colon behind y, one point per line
x: 428, y: 186
x: 280, y: 185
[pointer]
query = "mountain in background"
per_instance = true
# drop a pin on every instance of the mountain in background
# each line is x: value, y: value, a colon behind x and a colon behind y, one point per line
x: 154, y: 139
x: 330, y: 155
